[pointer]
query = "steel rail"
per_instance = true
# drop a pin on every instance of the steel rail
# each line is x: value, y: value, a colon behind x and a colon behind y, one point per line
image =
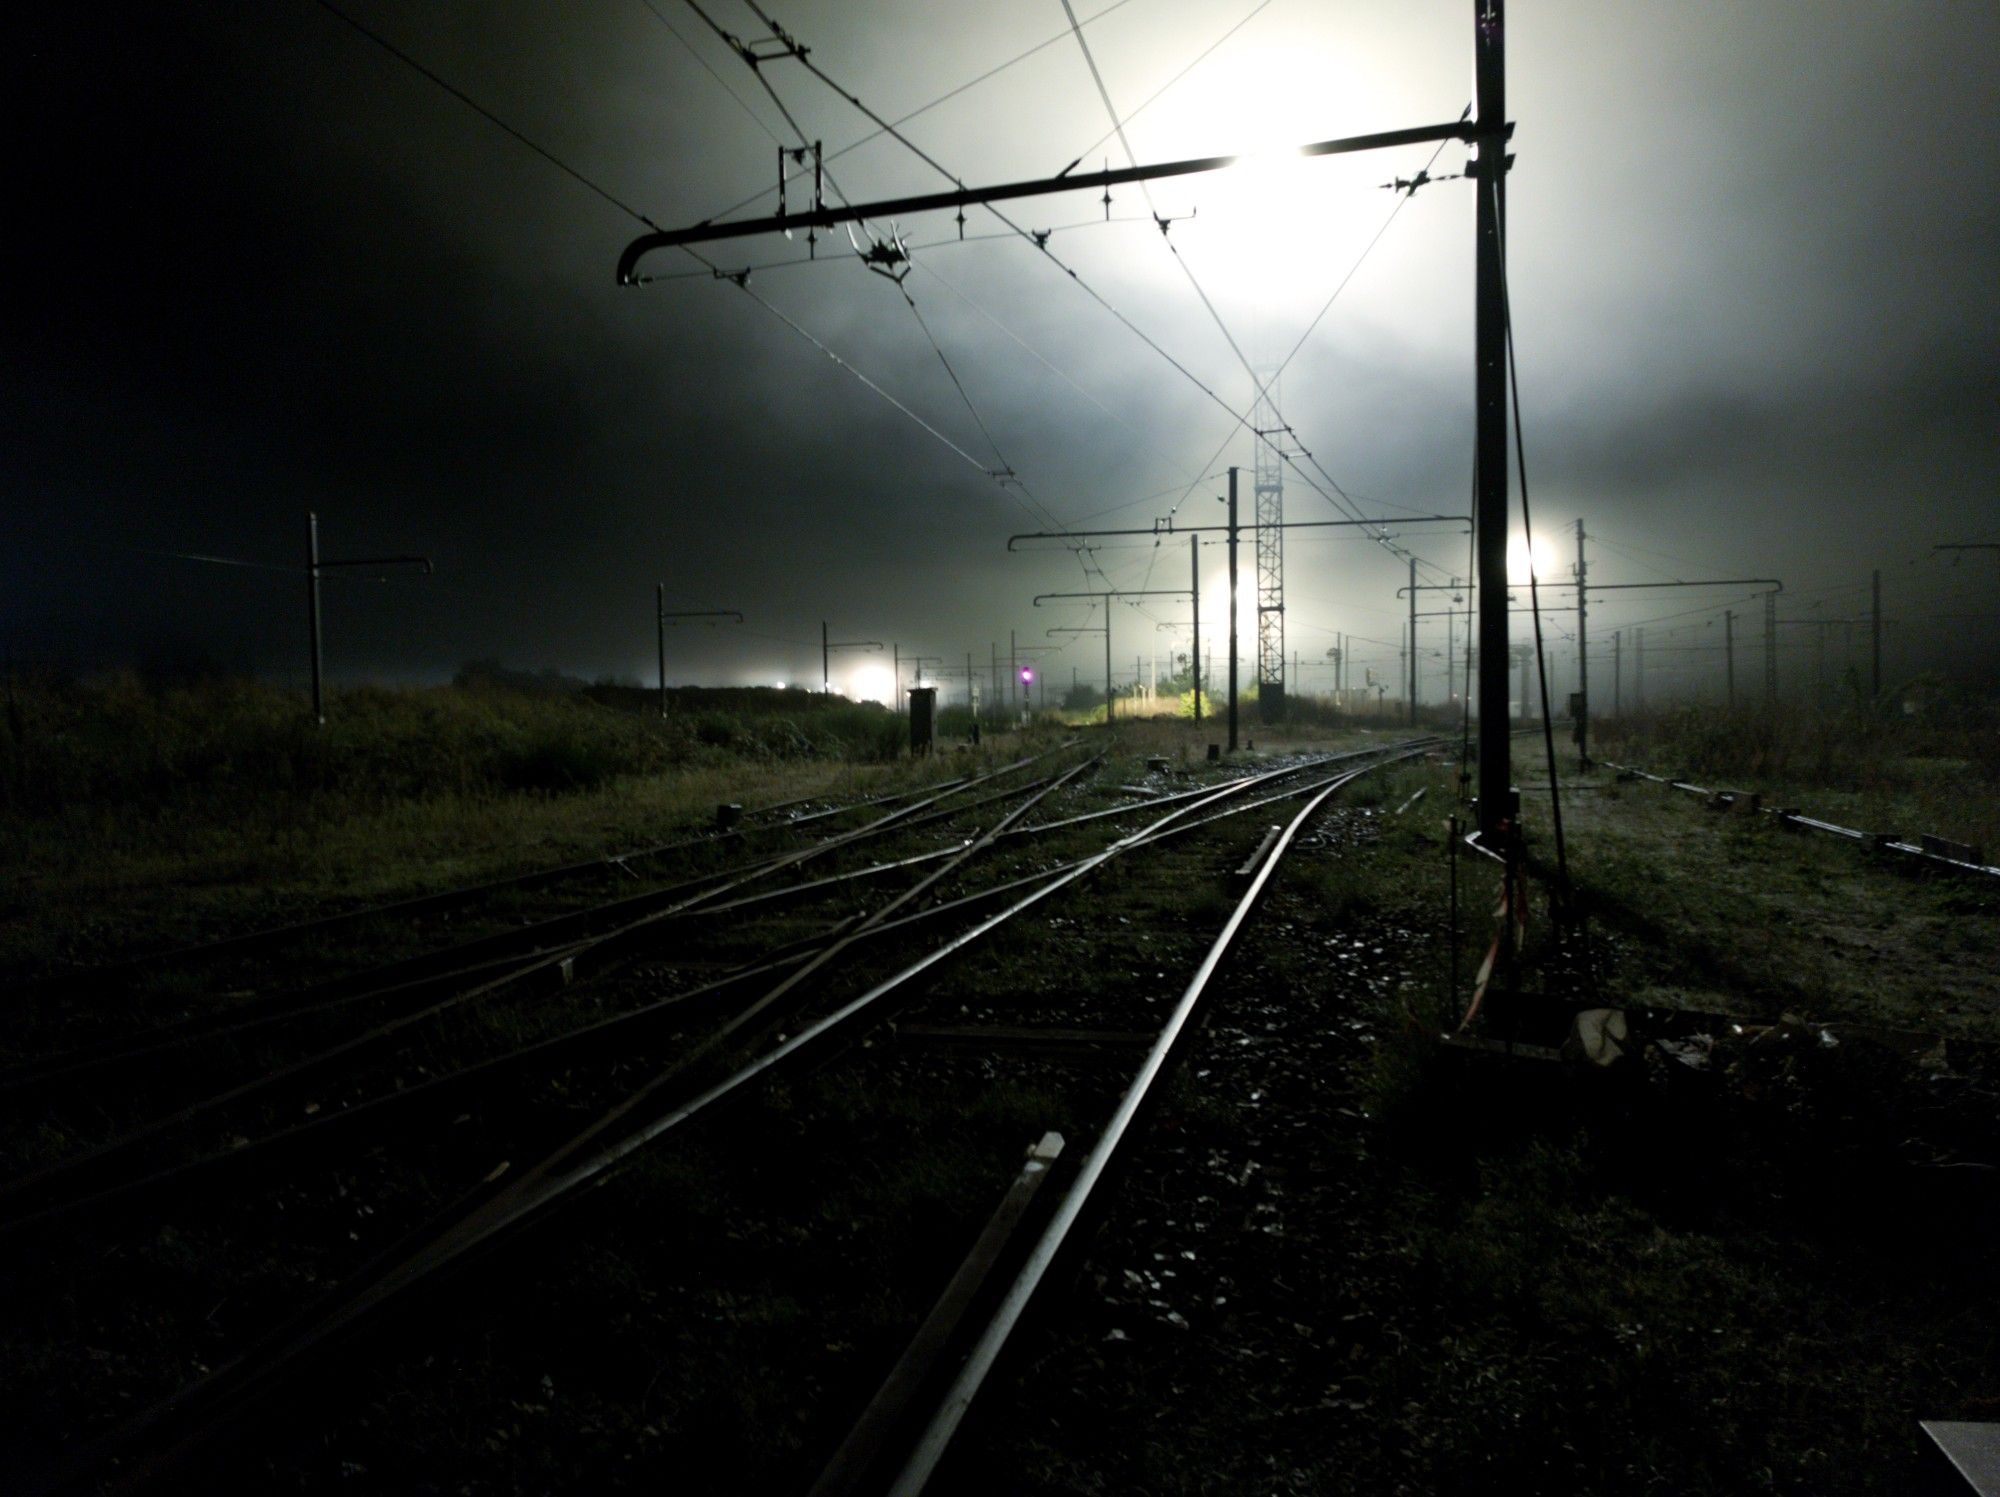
x: 443, y: 968
x: 122, y: 971
x: 74, y: 1173
x: 558, y: 935
x: 588, y: 1160
x: 1104, y: 1152
x: 622, y: 1029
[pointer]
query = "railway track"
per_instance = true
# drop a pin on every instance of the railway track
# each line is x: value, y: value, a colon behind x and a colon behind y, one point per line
x: 808, y: 991
x: 432, y: 935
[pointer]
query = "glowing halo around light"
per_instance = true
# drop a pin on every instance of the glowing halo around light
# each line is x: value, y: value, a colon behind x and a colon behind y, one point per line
x: 1546, y: 566
x: 873, y: 683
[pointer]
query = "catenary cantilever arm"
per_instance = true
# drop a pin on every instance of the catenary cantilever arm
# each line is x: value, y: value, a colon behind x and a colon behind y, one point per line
x: 825, y: 217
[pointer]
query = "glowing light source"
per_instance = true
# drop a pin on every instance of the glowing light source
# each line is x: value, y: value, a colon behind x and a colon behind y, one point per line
x: 1517, y: 560
x: 873, y: 683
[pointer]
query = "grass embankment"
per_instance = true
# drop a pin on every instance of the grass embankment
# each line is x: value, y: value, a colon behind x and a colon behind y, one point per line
x: 132, y: 815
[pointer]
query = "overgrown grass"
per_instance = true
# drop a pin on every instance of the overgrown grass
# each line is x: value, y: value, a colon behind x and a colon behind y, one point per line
x: 132, y: 813
x: 116, y: 742
x: 1931, y: 770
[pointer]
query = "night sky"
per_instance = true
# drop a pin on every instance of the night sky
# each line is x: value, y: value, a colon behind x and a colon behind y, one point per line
x: 264, y: 266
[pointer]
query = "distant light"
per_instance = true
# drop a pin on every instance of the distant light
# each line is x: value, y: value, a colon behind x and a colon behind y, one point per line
x: 1027, y: 673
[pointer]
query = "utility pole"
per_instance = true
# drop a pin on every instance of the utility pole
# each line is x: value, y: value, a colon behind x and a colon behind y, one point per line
x: 1489, y: 171
x: 315, y: 566
x: 312, y: 605
x: 827, y: 647
x: 1232, y: 611
x: 1875, y: 633
x: 1582, y: 650
x: 1771, y: 648
x: 1729, y: 652
x: 1194, y: 592
x: 1413, y: 639
x: 660, y: 618
x: 1105, y: 598
x: 1014, y: 670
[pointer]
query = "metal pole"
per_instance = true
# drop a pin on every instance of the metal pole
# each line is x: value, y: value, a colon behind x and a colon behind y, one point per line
x: 660, y: 629
x: 1194, y: 591
x: 1490, y: 409
x: 1014, y: 670
x: 1107, y: 661
x: 896, y: 678
x: 312, y: 613
x: 1771, y: 648
x: 1875, y: 632
x: 825, y: 662
x: 1639, y: 668
x: 1413, y: 639
x: 1582, y: 651
x: 1729, y: 651
x: 1232, y: 611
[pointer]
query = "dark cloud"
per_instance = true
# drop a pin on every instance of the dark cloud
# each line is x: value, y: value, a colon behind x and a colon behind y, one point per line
x: 266, y: 267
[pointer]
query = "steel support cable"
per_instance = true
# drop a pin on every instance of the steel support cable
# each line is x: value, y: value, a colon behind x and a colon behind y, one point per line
x: 1347, y: 508
x: 62, y: 1173
x: 436, y: 1090
x: 1063, y: 1226
x: 929, y: 160
x: 707, y: 67
x: 1039, y: 358
x: 1020, y: 232
x: 1150, y: 99
x: 943, y: 98
x: 1492, y: 185
x: 1003, y: 478
x: 626, y: 208
x: 486, y: 114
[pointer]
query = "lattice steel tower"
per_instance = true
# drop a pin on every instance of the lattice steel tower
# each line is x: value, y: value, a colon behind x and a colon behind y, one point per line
x: 1270, y: 490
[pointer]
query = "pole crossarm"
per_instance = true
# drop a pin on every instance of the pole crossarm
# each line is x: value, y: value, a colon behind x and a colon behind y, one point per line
x: 822, y: 217
x: 704, y: 613
x: 855, y: 644
x: 379, y: 561
x: 1612, y: 587
x: 1150, y: 592
x: 1169, y: 529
